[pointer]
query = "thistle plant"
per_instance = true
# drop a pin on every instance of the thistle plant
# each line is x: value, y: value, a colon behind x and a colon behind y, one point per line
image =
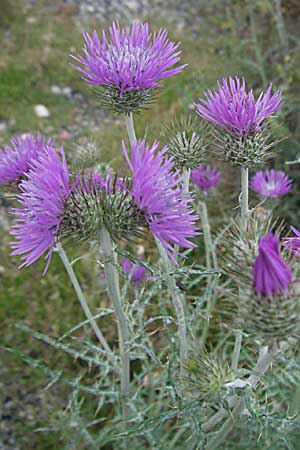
x: 179, y: 378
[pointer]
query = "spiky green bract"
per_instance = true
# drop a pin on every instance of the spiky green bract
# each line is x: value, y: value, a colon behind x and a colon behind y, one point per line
x: 204, y: 377
x: 87, y: 155
x: 186, y: 141
x: 246, y: 150
x: 276, y: 317
x: 96, y: 202
x: 130, y: 102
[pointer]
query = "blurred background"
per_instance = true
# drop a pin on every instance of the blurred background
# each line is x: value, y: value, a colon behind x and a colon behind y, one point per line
x: 39, y: 91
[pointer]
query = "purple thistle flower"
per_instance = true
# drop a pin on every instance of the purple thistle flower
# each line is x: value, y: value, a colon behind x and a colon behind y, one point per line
x: 293, y: 243
x: 205, y: 177
x: 271, y: 274
x: 131, y: 59
x: 271, y: 183
x: 136, y: 272
x: 109, y: 183
x: 16, y: 159
x: 236, y: 110
x: 43, y: 197
x: 158, y: 192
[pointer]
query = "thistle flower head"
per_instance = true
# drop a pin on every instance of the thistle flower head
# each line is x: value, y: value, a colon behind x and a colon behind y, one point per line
x: 16, y: 158
x: 186, y: 142
x: 236, y: 110
x: 293, y: 243
x: 135, y: 272
x: 271, y: 274
x: 43, y: 196
x: 271, y: 183
x: 158, y: 193
x: 205, y: 177
x: 130, y: 60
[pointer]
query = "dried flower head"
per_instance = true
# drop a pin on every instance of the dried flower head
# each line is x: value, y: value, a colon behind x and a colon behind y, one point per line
x: 158, y: 193
x: 205, y: 177
x: 16, y: 159
x: 242, y: 118
x: 128, y: 65
x: 271, y: 183
x: 271, y: 274
x: 186, y: 141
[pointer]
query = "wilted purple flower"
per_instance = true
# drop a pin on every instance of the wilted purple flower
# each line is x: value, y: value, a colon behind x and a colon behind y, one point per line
x: 136, y: 272
x: 236, y: 110
x: 43, y: 196
x: 205, y: 177
x: 131, y: 59
x: 15, y: 160
x: 158, y: 192
x: 293, y: 243
x: 271, y: 183
x: 271, y: 274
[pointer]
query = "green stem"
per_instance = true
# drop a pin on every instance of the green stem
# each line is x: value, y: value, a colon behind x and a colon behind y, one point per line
x: 83, y: 301
x: 245, y: 195
x: 130, y: 128
x: 236, y: 351
x: 113, y: 286
x: 186, y: 180
x: 177, y: 301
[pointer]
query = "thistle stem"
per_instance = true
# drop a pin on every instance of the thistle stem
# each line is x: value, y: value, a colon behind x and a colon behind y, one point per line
x: 244, y: 199
x: 113, y: 286
x: 177, y: 302
x: 209, y: 254
x: 130, y: 128
x: 236, y: 351
x: 186, y: 180
x: 83, y: 301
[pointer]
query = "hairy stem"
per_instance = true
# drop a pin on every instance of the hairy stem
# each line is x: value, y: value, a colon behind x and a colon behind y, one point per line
x: 113, y: 286
x: 186, y: 180
x: 83, y: 301
x: 177, y: 302
x: 236, y: 351
x: 244, y: 199
x: 130, y: 128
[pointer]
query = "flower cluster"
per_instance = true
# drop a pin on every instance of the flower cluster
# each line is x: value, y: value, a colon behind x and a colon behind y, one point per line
x: 236, y: 110
x: 43, y: 196
x: 205, y: 177
x: 130, y: 60
x: 16, y: 158
x: 271, y: 183
x: 158, y: 192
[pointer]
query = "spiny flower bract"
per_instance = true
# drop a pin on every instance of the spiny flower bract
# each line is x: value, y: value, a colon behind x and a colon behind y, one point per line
x: 130, y: 59
x: 271, y: 274
x: 158, y: 192
x: 205, y: 177
x: 271, y: 183
x: 43, y: 196
x: 236, y: 110
x: 16, y: 158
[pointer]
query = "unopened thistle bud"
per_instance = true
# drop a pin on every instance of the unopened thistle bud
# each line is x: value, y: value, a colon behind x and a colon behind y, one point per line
x: 204, y: 377
x: 87, y: 155
x: 186, y: 142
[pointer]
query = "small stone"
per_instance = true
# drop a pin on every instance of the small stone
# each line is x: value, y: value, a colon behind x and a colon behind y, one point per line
x: 3, y: 126
x: 41, y: 111
x: 56, y: 90
x: 90, y: 9
x: 31, y: 20
x: 67, y: 91
x: 64, y: 135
